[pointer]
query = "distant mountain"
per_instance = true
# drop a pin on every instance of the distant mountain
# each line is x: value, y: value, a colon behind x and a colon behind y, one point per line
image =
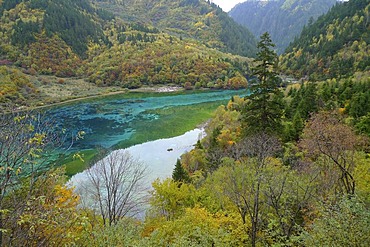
x: 283, y: 19
x: 196, y: 19
x: 336, y: 45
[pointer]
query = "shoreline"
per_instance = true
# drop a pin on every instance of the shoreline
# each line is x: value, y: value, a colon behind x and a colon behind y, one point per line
x: 159, y: 158
x: 158, y: 155
x: 162, y: 89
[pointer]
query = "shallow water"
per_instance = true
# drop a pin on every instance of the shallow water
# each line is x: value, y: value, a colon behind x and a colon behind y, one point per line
x: 110, y: 120
x: 155, y: 155
x: 113, y: 120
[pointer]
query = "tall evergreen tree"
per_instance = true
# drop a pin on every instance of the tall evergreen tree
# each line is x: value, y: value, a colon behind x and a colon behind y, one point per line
x: 264, y: 107
x: 179, y: 174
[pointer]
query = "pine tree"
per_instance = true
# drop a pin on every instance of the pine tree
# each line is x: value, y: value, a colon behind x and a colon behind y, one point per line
x: 298, y: 125
x: 264, y: 107
x: 179, y: 174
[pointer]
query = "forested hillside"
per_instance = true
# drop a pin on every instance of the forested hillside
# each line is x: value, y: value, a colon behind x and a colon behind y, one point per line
x: 137, y: 58
x: 73, y: 21
x: 279, y: 167
x: 196, y: 19
x: 78, y: 39
x: 283, y: 19
x: 335, y: 46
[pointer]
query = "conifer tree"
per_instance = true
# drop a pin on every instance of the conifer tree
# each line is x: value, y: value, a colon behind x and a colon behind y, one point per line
x: 179, y: 174
x: 264, y: 107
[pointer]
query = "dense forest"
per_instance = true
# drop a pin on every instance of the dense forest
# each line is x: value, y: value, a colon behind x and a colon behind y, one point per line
x: 73, y: 21
x: 137, y: 59
x: 335, y: 46
x: 283, y: 19
x: 78, y: 39
x: 196, y: 19
x: 286, y: 165
x: 276, y: 168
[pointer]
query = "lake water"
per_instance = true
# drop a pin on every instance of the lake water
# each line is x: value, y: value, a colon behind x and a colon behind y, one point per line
x: 155, y: 155
x: 110, y: 120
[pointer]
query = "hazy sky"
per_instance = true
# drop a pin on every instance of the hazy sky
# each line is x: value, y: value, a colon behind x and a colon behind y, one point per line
x: 226, y: 5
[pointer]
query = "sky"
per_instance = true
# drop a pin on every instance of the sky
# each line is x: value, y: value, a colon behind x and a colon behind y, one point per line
x: 227, y: 5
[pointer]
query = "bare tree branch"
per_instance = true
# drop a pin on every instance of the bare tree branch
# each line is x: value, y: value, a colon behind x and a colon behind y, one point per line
x: 116, y: 185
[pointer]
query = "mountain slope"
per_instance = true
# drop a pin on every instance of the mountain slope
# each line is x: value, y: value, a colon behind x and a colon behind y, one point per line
x: 336, y: 45
x: 283, y: 19
x: 40, y: 38
x: 145, y: 56
x: 76, y: 22
x: 196, y: 19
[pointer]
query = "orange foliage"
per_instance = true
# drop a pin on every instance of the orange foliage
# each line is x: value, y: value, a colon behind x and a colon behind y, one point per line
x: 51, y: 55
x: 52, y: 216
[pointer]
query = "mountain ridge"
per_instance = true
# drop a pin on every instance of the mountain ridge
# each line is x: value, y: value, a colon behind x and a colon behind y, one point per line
x: 335, y: 46
x: 283, y: 19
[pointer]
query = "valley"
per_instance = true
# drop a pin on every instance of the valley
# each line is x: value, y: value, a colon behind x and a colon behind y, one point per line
x: 174, y: 123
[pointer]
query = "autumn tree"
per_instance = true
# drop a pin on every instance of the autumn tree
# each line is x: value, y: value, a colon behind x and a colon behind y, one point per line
x: 264, y: 108
x: 26, y: 140
x: 169, y: 199
x: 51, y: 216
x: 244, y: 182
x: 327, y: 137
x: 116, y: 186
x: 270, y: 197
x: 222, y: 132
x: 21, y: 142
x: 288, y: 196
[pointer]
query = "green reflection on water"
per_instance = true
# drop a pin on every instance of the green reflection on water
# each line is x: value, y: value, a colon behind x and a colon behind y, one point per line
x: 121, y: 121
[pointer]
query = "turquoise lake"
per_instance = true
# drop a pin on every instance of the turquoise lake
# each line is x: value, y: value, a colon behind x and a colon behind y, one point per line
x: 110, y: 120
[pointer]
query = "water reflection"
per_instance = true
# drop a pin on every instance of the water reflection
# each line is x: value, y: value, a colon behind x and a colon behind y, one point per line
x: 110, y: 120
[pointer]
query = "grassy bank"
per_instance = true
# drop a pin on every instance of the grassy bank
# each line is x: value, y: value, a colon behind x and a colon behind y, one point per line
x: 53, y: 91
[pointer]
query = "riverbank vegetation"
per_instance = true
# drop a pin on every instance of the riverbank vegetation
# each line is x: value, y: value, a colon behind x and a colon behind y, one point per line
x: 283, y: 166
x: 296, y: 175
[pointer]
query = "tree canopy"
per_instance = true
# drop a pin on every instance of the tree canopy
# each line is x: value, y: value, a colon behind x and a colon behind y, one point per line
x: 264, y: 108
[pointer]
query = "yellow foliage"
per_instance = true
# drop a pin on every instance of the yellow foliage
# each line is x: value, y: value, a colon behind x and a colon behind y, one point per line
x: 197, y: 224
x: 199, y: 24
x: 65, y: 197
x: 342, y: 110
x: 329, y: 36
x: 227, y: 138
x: 52, y: 216
x: 236, y: 104
x: 362, y: 176
x: 210, y: 14
x: 170, y: 198
x: 298, y: 53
